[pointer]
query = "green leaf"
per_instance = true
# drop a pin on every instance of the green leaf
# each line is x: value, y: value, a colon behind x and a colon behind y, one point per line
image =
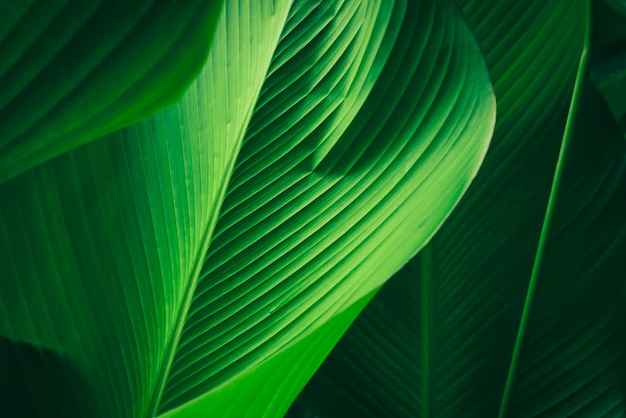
x: 74, y: 70
x: 294, y: 247
x: 41, y: 383
x: 571, y: 343
x: 188, y: 263
x: 438, y: 340
x: 609, y: 69
x: 101, y: 246
x: 618, y: 5
x: 612, y: 85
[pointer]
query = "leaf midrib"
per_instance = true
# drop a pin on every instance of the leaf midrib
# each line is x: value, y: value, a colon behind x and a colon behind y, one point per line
x: 427, y: 326
x: 582, y: 76
x: 172, y: 343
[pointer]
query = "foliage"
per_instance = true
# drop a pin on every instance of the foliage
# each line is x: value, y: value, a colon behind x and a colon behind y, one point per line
x: 198, y: 199
x: 516, y: 307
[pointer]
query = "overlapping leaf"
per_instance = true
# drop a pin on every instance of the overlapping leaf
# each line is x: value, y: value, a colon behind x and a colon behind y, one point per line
x: 186, y: 260
x: 101, y: 246
x: 41, y: 383
x: 618, y: 5
x: 74, y: 70
x: 609, y: 69
x: 293, y: 245
x: 572, y: 350
x: 450, y: 355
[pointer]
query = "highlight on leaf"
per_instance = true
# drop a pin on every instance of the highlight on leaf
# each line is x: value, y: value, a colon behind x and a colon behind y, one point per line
x: 312, y: 208
x: 516, y: 306
x: 232, y: 237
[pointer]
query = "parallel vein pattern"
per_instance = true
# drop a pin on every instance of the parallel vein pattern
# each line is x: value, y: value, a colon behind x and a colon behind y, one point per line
x: 572, y: 359
x: 372, y: 115
x: 101, y: 246
x: 296, y: 236
x: 127, y: 233
x: 74, y: 70
x: 483, y: 255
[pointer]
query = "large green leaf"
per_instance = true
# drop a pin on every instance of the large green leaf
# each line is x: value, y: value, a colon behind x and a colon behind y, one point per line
x: 228, y: 241
x: 74, y: 70
x: 439, y: 338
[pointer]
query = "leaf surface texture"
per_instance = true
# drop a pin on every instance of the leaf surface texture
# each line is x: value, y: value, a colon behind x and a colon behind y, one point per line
x: 176, y: 260
x: 74, y: 70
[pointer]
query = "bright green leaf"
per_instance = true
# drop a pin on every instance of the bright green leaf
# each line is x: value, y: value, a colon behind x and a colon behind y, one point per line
x: 185, y: 261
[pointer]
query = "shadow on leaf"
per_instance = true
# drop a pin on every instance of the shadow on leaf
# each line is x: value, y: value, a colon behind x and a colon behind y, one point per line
x: 37, y: 382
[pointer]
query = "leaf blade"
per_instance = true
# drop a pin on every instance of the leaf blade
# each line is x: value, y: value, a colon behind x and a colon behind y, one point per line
x: 132, y: 213
x: 135, y: 207
x: 474, y: 309
x: 73, y: 71
x: 252, y: 299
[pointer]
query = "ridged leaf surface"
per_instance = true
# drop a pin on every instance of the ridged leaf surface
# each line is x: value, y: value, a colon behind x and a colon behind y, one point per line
x: 74, y: 70
x: 187, y: 260
x: 439, y: 338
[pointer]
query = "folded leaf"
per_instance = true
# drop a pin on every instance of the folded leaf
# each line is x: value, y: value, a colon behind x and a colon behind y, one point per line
x: 294, y: 248
x: 74, y: 70
x: 188, y: 259
x: 438, y: 339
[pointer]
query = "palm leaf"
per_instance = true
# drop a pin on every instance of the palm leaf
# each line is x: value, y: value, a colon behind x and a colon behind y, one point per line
x: 184, y: 261
x: 74, y: 70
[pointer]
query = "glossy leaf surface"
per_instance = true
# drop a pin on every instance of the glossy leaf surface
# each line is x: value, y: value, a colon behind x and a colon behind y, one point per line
x: 439, y: 338
x: 185, y: 260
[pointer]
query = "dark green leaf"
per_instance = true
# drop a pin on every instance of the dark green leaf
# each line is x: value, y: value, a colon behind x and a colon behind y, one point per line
x: 618, y: 5
x: 439, y: 338
x: 74, y: 70
x: 572, y: 348
x: 609, y: 69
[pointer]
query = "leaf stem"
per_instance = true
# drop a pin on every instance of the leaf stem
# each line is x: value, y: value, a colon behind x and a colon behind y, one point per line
x: 427, y: 327
x: 181, y: 318
x: 582, y: 76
